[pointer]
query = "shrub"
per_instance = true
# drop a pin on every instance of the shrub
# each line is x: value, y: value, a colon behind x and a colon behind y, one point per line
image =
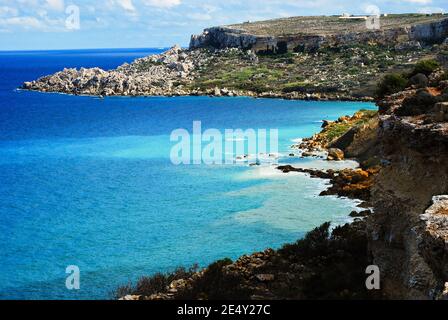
x: 426, y: 67
x: 444, y: 76
x: 156, y: 283
x: 337, y: 261
x: 390, y: 84
x: 314, y: 243
x: 216, y: 284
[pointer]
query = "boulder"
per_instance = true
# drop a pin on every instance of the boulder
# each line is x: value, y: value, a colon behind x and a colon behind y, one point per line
x: 360, y: 214
x: 265, y: 277
x: 335, y: 154
x: 419, y: 80
x: 326, y: 123
x: 130, y: 297
x: 420, y: 103
x: 440, y: 112
x: 344, y: 119
x: 217, y: 92
x: 408, y: 45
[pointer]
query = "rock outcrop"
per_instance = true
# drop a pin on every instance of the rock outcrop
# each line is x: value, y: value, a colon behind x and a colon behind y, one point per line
x: 223, y: 37
x: 335, y: 154
x: 434, y: 32
x: 408, y: 240
x: 408, y: 231
x: 153, y: 75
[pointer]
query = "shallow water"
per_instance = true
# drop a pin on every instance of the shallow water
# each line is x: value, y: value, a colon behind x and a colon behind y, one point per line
x: 89, y: 182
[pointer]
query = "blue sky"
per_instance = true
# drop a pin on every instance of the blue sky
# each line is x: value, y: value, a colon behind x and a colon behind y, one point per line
x: 52, y: 24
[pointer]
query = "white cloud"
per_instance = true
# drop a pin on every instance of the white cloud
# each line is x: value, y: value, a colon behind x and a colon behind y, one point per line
x: 162, y: 3
x: 23, y: 22
x: 126, y: 5
x: 56, y: 5
x: 8, y: 11
x: 429, y: 10
x: 419, y: 1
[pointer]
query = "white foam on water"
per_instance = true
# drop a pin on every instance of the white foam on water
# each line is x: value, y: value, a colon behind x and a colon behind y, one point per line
x: 292, y: 200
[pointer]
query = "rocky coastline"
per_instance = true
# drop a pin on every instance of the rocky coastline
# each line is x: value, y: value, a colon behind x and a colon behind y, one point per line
x: 402, y: 151
x: 345, y: 70
x: 170, y: 74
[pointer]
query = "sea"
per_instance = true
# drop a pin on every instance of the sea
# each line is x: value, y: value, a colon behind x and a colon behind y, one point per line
x: 90, y: 182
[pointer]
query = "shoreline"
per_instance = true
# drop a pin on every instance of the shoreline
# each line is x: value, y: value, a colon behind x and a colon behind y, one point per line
x: 353, y: 227
x: 349, y: 220
x: 245, y: 95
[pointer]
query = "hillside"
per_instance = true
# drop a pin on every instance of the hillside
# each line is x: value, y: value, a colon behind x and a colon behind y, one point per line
x: 330, y: 59
x: 309, y: 34
x: 331, y: 25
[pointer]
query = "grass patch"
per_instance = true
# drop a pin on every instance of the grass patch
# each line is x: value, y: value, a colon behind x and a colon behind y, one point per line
x: 338, y: 129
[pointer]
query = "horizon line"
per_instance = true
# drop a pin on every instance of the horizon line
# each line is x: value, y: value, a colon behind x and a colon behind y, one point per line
x: 100, y: 48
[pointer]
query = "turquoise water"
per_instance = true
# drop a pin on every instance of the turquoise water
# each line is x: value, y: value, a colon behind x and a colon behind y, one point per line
x: 89, y: 182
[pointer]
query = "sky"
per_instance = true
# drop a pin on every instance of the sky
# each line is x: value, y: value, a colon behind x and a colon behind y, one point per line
x: 80, y: 24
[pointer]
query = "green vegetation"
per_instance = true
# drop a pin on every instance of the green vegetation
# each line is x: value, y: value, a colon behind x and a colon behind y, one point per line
x: 154, y: 284
x: 331, y: 266
x: 346, y: 71
x: 390, y: 84
x: 337, y: 129
x: 396, y: 82
x: 251, y: 78
x: 425, y: 67
x: 298, y: 86
x: 216, y: 284
x: 444, y: 76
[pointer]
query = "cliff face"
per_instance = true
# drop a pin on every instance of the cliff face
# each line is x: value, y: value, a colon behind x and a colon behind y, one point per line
x: 223, y: 37
x: 243, y: 37
x: 430, y: 32
x: 408, y: 233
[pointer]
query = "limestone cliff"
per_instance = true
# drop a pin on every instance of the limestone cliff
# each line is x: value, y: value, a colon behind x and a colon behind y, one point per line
x: 311, y: 33
x: 412, y: 260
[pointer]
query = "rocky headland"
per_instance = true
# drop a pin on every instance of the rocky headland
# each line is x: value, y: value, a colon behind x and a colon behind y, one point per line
x: 313, y: 58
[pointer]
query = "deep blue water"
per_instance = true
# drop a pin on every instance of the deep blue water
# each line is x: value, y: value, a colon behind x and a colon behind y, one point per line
x: 89, y: 182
